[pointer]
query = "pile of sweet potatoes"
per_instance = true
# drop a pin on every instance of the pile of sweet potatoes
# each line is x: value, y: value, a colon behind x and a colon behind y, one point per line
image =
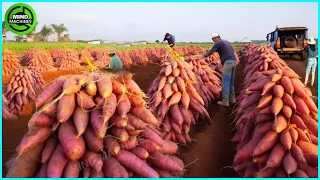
x: 139, y: 57
x: 94, y: 125
x: 175, y: 101
x: 39, y: 59
x: 125, y: 58
x: 101, y: 57
x: 10, y: 62
x: 277, y: 120
x: 67, y: 58
x: 23, y: 87
x: 208, y: 81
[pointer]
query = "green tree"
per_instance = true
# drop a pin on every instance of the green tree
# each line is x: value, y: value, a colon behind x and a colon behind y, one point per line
x: 59, y: 30
x: 33, y: 33
x: 45, y: 32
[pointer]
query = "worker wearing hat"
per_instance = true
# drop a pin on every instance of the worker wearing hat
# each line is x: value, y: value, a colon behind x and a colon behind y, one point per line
x: 311, y: 50
x: 228, y: 60
x: 170, y: 38
x: 115, y: 62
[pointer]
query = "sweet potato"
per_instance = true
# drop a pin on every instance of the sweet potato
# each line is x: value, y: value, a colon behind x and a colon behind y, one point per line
x: 287, y: 111
x: 277, y: 105
x: 262, y: 158
x: 278, y: 91
x: 267, y: 172
x: 281, y: 173
x: 66, y: 106
x: 93, y: 160
x: 311, y: 105
x: 311, y: 159
x: 111, y: 145
x: 287, y: 99
x: 80, y: 119
x: 49, y: 148
x: 280, y: 123
x: 168, y: 147
x: 286, y: 84
x: 311, y: 124
x: 71, y: 170
x: 264, y: 127
x: 26, y: 164
x: 119, y: 121
x: 130, y: 143
x: 265, y: 101
x: 109, y: 107
x: 41, y: 120
x: 289, y: 164
x: 144, y: 114
x: 299, y: 174
x: 151, y: 135
x: 94, y: 143
x: 176, y: 114
x: 74, y: 146
x: 164, y: 162
x: 84, y: 100
x: 175, y: 98
x: 286, y: 139
x: 247, y: 150
x: 50, y: 92
x: 297, y: 153
x: 148, y: 145
x: 57, y: 163
x: 297, y: 86
x: 124, y: 105
x: 97, y: 123
x: 301, y: 105
x: 268, y: 87
x: 250, y: 170
x: 97, y: 174
x: 266, y: 143
x: 121, y: 134
x: 104, y: 85
x: 295, y: 119
x: 302, y: 135
x: 113, y: 169
x: 309, y: 170
x: 131, y: 161
x: 276, y: 156
x: 140, y: 152
x: 308, y: 147
x: 136, y: 122
x: 42, y: 173
x: 185, y: 100
x: 33, y: 138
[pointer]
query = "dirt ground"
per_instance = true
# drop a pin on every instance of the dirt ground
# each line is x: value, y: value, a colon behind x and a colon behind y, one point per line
x: 211, y: 152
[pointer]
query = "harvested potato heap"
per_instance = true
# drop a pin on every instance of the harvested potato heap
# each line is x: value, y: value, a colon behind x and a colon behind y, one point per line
x: 155, y: 54
x: 38, y: 80
x: 10, y: 63
x: 125, y: 58
x: 54, y: 54
x: 94, y: 125
x: 139, y: 57
x: 6, y: 115
x: 67, y: 59
x: 102, y: 58
x: 208, y: 81
x: 82, y: 56
x: 175, y: 101
x: 22, y: 89
x: 277, y: 120
x: 39, y: 59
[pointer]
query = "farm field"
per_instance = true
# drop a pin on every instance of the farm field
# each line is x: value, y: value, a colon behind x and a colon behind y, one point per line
x: 210, y: 152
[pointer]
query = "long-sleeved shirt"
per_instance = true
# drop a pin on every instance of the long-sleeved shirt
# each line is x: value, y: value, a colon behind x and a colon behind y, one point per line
x: 170, y: 40
x: 115, y: 63
x: 225, y: 50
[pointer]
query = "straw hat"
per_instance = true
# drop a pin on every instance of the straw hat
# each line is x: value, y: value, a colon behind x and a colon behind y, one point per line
x: 111, y: 51
x: 311, y: 41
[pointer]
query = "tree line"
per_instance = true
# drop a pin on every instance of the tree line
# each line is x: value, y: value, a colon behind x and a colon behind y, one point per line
x: 42, y: 36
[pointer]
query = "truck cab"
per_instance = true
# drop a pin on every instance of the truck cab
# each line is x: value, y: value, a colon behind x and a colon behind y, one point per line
x: 289, y: 40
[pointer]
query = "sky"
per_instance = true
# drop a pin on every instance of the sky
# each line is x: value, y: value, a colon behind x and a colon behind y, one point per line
x: 188, y: 22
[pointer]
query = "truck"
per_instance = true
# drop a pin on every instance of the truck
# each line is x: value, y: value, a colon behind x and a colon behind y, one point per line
x: 289, y: 41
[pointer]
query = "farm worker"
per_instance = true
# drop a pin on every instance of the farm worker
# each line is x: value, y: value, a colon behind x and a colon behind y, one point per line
x: 115, y: 62
x: 170, y: 38
x: 311, y: 50
x: 228, y: 59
